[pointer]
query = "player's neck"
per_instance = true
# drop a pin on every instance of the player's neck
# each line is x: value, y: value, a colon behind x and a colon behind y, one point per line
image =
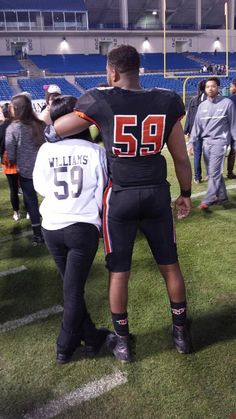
x: 130, y: 86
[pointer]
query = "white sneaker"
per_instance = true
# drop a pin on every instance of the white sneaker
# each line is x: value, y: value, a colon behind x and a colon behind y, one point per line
x: 16, y: 216
x: 27, y: 216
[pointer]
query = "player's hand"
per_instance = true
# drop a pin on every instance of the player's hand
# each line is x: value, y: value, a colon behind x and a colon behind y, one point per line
x: 51, y: 135
x: 183, y: 207
x: 190, y: 149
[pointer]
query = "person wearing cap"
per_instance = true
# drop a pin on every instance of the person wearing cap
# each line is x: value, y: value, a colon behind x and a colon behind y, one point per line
x: 51, y: 92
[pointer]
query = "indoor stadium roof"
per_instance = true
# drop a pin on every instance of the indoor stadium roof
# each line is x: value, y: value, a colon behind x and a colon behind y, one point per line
x: 105, y: 12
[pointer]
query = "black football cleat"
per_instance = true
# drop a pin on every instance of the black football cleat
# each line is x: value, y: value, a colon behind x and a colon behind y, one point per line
x: 120, y: 346
x: 92, y: 350
x: 182, y: 339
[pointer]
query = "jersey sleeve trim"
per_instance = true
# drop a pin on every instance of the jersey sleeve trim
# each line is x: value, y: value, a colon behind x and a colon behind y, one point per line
x: 87, y: 118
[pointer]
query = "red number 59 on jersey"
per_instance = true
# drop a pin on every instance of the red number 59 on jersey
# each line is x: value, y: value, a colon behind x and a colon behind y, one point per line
x: 151, y: 135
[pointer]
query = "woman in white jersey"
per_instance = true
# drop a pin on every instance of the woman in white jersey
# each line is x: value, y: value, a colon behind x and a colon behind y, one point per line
x: 72, y: 175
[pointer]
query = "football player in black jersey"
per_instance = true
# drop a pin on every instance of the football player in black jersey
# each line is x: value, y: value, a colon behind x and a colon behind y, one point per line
x: 135, y: 124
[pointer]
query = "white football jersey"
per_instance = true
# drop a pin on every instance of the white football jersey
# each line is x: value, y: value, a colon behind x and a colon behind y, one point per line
x: 71, y: 176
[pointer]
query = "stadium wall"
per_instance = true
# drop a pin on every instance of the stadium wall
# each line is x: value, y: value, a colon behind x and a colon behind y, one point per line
x: 87, y: 43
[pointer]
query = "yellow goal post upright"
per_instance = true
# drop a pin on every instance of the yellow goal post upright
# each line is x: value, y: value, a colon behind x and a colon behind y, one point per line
x: 166, y: 76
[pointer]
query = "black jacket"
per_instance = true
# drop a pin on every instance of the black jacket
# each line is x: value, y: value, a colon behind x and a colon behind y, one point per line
x: 192, y: 110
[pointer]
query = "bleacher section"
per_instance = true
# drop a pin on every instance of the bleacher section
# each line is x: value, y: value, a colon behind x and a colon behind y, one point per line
x: 174, y: 61
x: 90, y: 82
x: 5, y: 90
x: 96, y: 63
x: 9, y: 66
x: 70, y: 63
x: 35, y: 86
x: 156, y: 80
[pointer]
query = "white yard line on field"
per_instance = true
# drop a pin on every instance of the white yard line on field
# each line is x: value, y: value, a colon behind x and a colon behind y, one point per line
x: 198, y: 194
x: 75, y: 398
x: 13, y: 271
x: 38, y: 315
x: 15, y: 236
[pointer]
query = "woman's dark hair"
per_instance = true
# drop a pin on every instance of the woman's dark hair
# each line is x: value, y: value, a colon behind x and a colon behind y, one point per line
x: 24, y: 113
x: 201, y: 87
x: 63, y: 105
x: 124, y: 59
x: 6, y: 111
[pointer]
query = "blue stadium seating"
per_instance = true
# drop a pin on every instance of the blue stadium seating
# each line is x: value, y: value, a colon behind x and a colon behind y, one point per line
x: 5, y: 90
x: 155, y: 61
x: 156, y: 80
x: 9, y: 65
x: 90, y: 82
x: 35, y: 86
x: 95, y: 63
x: 70, y: 63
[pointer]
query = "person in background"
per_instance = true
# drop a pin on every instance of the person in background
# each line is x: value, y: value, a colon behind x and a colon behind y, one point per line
x: 191, y: 113
x: 10, y: 170
x: 215, y: 123
x: 231, y: 155
x: 51, y: 92
x: 24, y: 136
x: 135, y: 124
x: 71, y: 176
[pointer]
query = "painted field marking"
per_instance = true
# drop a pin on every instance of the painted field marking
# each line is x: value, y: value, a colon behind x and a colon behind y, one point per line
x: 13, y: 271
x: 198, y: 194
x: 89, y: 391
x: 38, y: 315
x: 16, y: 236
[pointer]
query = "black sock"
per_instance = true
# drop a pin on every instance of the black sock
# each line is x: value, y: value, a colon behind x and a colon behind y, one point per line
x: 178, y: 311
x: 37, y: 230
x: 120, y: 323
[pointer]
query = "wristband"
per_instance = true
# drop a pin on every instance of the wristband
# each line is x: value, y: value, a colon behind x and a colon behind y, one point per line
x: 185, y: 194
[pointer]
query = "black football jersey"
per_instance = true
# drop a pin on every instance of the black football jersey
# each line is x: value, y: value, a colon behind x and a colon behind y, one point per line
x: 134, y: 126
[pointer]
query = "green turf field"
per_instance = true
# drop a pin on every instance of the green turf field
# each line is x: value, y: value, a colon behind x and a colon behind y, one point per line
x: 161, y: 384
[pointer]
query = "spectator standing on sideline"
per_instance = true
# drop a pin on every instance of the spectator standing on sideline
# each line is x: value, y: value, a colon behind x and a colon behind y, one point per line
x: 215, y: 123
x: 10, y: 170
x: 135, y: 124
x: 71, y: 176
x: 231, y: 155
x: 24, y: 136
x: 192, y: 110
x: 51, y: 92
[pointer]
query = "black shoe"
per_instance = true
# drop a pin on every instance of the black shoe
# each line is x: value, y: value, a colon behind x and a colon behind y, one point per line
x: 63, y: 357
x: 37, y: 240
x: 92, y: 350
x: 182, y: 338
x: 231, y: 176
x: 120, y: 346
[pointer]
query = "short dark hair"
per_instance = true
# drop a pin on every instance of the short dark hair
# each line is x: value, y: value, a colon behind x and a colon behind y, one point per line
x: 124, y: 59
x: 63, y: 105
x: 234, y: 81
x: 215, y: 79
